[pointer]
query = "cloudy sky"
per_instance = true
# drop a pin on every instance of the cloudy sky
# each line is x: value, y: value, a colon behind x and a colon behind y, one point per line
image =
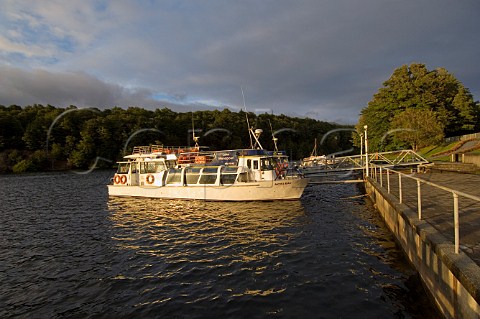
x: 322, y: 58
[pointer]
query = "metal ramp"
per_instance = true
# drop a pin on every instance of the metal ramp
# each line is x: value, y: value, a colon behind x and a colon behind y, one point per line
x: 349, y: 165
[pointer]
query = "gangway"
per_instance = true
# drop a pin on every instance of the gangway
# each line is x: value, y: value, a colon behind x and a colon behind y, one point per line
x: 345, y: 164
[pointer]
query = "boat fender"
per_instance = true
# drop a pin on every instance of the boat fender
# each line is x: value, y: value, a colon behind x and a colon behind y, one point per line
x: 123, y: 179
x: 150, y: 179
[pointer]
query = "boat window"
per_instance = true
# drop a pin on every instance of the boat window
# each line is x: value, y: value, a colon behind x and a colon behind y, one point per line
x: 228, y: 178
x: 230, y: 169
x: 266, y: 164
x: 151, y: 167
x: 134, y: 168
x: 228, y: 175
x: 123, y: 168
x: 243, y: 177
x: 192, y: 174
x: 160, y: 167
x: 249, y: 163
x: 174, y: 176
x: 170, y: 163
x: 255, y: 164
x: 209, y: 175
x: 210, y: 170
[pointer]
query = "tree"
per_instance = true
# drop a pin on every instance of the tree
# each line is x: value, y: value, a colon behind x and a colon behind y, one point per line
x: 418, y: 127
x: 415, y: 86
x: 11, y: 132
x: 33, y: 137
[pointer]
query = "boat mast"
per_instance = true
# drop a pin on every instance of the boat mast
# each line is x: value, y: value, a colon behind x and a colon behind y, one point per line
x: 314, y: 152
x: 195, y: 138
x: 248, y: 123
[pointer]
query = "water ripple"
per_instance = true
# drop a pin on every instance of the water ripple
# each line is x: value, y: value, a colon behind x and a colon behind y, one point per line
x: 67, y: 250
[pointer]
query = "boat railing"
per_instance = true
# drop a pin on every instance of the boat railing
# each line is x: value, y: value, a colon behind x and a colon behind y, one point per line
x: 164, y: 149
x: 174, y: 149
x: 195, y: 157
x: 141, y: 150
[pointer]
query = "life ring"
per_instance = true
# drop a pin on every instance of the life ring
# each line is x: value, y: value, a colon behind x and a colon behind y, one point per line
x: 150, y: 179
x: 117, y: 179
x: 123, y: 179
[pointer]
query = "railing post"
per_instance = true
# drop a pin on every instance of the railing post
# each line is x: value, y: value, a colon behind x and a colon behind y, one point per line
x: 381, y: 177
x: 388, y: 180
x: 366, y: 150
x: 455, y: 222
x: 419, y: 199
x: 400, y: 188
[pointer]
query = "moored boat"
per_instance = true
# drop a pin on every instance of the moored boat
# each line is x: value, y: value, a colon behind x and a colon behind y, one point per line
x: 314, y: 160
x: 193, y: 173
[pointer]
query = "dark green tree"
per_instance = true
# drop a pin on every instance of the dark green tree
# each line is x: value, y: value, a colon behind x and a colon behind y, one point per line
x: 11, y: 131
x: 414, y: 86
x: 418, y: 127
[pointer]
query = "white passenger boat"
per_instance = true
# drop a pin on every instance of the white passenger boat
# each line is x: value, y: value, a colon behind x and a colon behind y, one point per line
x: 192, y: 173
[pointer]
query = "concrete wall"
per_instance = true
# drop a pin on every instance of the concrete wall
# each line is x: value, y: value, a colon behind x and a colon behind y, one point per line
x: 473, y: 159
x: 453, y: 280
x: 462, y: 137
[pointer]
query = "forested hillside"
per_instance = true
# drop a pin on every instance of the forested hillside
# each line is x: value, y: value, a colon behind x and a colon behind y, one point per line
x: 38, y: 137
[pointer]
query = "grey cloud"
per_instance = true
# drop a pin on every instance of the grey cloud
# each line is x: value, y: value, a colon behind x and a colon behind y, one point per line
x: 23, y: 87
x: 323, y: 59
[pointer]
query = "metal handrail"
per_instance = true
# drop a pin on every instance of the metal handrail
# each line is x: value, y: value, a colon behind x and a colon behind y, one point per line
x: 377, y: 175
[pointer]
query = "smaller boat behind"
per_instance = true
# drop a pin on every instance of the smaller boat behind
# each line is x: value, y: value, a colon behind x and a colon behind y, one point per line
x: 314, y: 160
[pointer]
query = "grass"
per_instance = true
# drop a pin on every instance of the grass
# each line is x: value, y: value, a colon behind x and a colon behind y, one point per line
x: 476, y: 152
x: 429, y: 151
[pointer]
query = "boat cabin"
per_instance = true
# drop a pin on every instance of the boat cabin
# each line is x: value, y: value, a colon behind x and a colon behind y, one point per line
x: 202, y: 168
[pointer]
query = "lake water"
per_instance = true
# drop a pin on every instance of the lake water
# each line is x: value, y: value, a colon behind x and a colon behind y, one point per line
x: 67, y: 250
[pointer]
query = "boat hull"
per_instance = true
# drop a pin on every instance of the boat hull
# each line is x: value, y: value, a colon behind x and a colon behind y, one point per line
x: 266, y: 190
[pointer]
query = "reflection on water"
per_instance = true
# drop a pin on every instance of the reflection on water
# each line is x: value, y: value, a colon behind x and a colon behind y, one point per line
x: 67, y: 250
x: 238, y: 224
x: 212, y: 237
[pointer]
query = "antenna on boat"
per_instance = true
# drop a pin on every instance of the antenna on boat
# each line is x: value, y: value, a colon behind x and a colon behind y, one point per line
x: 248, y: 123
x: 275, y: 140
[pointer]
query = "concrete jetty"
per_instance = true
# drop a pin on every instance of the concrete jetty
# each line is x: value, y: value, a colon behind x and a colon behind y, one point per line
x: 453, y: 279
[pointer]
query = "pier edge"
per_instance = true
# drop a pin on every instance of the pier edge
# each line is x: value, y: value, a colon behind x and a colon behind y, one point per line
x: 453, y: 280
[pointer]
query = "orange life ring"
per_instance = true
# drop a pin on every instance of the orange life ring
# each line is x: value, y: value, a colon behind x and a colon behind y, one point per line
x: 123, y: 179
x: 150, y: 179
x: 116, y: 179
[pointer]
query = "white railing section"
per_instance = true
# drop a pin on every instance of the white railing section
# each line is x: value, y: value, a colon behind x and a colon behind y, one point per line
x: 377, y: 173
